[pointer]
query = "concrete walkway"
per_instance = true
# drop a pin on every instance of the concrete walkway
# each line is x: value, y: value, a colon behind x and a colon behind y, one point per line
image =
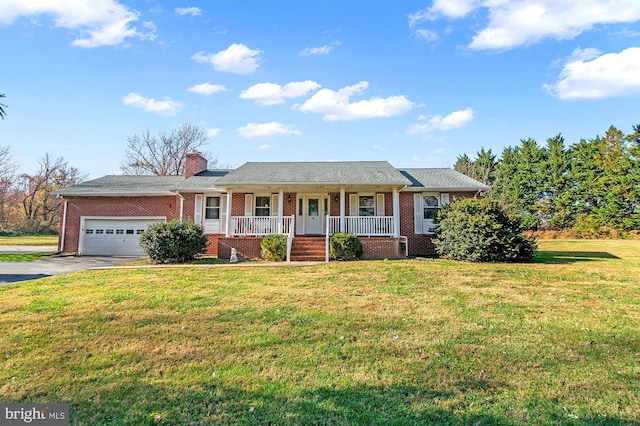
x: 11, y: 272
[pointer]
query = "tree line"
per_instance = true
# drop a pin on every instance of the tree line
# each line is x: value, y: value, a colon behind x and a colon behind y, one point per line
x: 27, y: 202
x: 590, y: 188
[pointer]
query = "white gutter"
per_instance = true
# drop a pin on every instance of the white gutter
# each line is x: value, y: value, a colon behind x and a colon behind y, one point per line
x: 64, y: 226
x: 181, y: 204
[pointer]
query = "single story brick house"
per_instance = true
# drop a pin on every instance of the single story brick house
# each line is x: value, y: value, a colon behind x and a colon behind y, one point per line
x: 391, y: 210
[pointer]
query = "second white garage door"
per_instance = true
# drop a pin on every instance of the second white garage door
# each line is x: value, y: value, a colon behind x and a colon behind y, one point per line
x: 113, y: 237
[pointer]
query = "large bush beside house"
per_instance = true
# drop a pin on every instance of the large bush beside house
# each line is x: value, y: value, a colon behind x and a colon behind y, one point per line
x: 482, y: 230
x: 173, y: 242
x: 345, y: 246
x: 274, y: 247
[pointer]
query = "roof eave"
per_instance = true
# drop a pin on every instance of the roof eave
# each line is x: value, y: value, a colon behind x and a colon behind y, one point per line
x: 441, y: 189
x: 115, y: 194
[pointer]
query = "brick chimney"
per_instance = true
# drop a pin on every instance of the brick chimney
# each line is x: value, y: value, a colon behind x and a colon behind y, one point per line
x: 194, y: 164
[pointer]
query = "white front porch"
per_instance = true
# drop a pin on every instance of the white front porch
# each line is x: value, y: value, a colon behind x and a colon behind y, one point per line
x: 314, y: 213
x: 362, y: 226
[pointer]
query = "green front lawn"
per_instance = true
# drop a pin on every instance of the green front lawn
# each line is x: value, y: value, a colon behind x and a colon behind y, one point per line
x: 372, y: 342
x: 30, y: 240
x: 25, y: 257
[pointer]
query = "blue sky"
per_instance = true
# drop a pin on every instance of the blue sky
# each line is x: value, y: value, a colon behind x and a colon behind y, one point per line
x: 416, y: 83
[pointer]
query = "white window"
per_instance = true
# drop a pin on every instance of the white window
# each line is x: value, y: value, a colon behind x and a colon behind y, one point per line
x: 262, y: 205
x: 212, y: 208
x: 430, y: 207
x: 366, y: 205
x: 426, y: 206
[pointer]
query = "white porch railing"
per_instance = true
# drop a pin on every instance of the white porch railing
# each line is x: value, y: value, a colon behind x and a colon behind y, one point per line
x: 260, y: 225
x: 365, y: 226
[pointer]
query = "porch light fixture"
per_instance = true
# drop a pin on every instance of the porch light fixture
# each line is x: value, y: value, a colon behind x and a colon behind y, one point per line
x: 288, y: 198
x: 336, y: 199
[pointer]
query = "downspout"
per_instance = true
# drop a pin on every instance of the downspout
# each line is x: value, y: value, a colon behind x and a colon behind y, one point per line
x: 406, y: 239
x: 181, y: 204
x: 63, y: 229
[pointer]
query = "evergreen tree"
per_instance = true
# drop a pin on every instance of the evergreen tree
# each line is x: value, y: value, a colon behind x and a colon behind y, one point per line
x: 519, y: 178
x: 554, y: 183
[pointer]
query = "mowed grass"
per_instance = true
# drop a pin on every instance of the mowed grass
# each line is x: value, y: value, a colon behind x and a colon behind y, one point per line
x: 25, y: 257
x: 30, y: 240
x: 555, y: 342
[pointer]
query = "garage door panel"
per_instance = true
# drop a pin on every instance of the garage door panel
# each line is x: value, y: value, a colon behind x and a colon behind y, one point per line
x: 114, y: 237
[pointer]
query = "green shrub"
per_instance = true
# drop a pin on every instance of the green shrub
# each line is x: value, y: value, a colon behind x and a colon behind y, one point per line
x: 344, y: 246
x: 173, y: 242
x: 482, y: 231
x: 274, y: 247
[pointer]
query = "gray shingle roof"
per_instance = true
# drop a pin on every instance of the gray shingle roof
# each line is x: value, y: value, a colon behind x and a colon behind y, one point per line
x: 331, y: 172
x: 144, y: 185
x: 441, y: 180
x: 282, y: 173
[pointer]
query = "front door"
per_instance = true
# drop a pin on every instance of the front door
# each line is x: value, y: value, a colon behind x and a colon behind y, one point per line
x: 313, y: 215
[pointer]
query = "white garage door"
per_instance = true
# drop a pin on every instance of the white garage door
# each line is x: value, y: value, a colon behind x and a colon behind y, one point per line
x: 114, y: 237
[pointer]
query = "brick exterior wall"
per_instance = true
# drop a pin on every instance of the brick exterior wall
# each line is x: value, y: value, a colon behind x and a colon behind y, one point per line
x: 246, y: 247
x: 382, y: 248
x: 212, y: 241
x: 166, y: 206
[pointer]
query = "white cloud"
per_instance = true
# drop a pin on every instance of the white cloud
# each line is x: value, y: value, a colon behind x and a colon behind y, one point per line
x: 336, y: 105
x: 212, y: 133
x: 261, y: 130
x: 167, y: 106
x: 437, y: 122
x: 427, y: 35
x: 193, y: 11
x: 207, y: 88
x: 274, y: 94
x: 586, y: 76
x: 264, y: 147
x: 321, y: 50
x: 103, y: 23
x: 379, y: 147
x: 237, y: 59
x: 450, y: 8
x: 513, y: 23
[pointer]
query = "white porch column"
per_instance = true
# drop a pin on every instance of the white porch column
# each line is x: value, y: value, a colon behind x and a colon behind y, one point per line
x: 342, y: 209
x: 396, y: 213
x: 280, y: 208
x: 228, y: 225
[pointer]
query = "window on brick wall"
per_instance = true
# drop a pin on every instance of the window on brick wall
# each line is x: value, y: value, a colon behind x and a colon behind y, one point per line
x: 262, y: 205
x: 366, y: 205
x: 425, y: 207
x: 212, y: 208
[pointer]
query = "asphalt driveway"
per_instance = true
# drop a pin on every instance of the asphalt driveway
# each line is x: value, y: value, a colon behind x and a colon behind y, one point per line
x: 11, y: 272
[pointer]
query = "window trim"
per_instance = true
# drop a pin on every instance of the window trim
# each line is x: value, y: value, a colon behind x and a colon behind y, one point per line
x: 422, y: 225
x: 256, y: 207
x: 217, y: 208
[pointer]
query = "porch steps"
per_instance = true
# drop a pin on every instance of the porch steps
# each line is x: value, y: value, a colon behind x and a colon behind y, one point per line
x: 308, y: 249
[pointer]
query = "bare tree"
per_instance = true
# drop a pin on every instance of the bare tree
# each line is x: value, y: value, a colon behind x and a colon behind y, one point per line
x: 8, y: 169
x: 163, y: 154
x: 41, y: 207
x: 2, y: 107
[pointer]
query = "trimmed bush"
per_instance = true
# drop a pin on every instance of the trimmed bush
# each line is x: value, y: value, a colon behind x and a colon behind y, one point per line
x: 482, y: 231
x: 344, y: 246
x: 274, y: 247
x: 173, y: 242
